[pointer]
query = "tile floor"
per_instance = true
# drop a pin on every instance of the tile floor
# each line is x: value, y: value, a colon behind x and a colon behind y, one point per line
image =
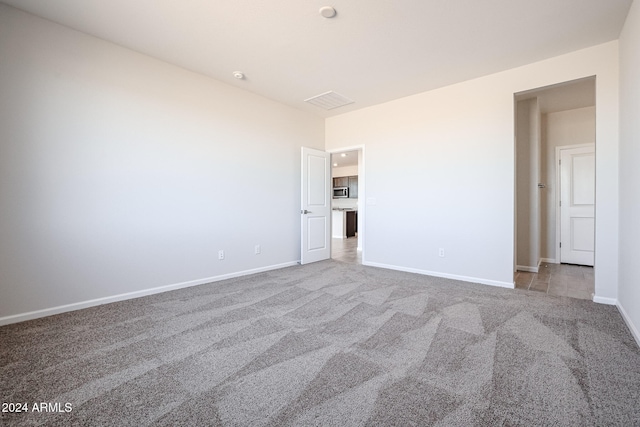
x: 346, y: 250
x: 575, y: 281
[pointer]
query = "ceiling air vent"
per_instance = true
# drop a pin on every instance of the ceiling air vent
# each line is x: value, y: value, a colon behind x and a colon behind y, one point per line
x: 329, y: 100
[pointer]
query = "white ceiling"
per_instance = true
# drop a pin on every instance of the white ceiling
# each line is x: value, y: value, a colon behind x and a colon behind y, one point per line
x: 350, y: 159
x: 371, y: 52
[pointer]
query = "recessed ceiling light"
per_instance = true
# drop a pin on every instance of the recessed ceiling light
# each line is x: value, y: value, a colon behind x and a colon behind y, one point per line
x: 343, y: 155
x: 335, y: 164
x: 327, y: 12
x: 238, y: 75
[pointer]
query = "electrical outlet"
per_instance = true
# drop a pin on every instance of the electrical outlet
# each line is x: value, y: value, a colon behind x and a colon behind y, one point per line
x: 257, y: 250
x: 220, y: 254
x: 441, y: 252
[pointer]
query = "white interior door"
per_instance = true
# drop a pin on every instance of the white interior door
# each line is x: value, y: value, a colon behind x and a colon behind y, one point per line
x: 316, y: 206
x: 577, y: 205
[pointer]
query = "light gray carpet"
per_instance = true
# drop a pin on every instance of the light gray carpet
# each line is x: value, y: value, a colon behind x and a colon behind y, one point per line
x: 328, y: 344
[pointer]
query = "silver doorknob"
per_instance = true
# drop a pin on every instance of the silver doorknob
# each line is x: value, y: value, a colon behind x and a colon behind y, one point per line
x: 304, y: 212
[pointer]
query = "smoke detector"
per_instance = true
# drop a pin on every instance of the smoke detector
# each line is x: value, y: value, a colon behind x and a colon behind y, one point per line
x: 327, y: 12
x: 238, y: 75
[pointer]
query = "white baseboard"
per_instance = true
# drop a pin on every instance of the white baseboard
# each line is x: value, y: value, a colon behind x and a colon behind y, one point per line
x: 6, y: 320
x: 509, y: 285
x: 536, y: 269
x: 603, y: 300
x: 527, y: 268
x: 630, y: 325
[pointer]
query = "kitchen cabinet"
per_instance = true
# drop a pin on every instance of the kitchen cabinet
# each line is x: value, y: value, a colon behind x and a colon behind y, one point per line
x: 344, y: 223
x: 342, y: 181
x: 352, y: 223
x: 338, y: 225
x: 353, y: 187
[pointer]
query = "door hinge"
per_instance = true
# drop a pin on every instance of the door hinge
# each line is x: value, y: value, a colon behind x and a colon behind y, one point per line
x: 560, y: 244
x: 560, y: 202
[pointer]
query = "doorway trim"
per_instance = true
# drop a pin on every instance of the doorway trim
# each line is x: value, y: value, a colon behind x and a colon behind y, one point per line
x: 558, y: 195
x: 362, y: 188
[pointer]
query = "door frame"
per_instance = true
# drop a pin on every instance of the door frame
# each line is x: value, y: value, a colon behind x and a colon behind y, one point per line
x: 361, y: 193
x: 557, y: 201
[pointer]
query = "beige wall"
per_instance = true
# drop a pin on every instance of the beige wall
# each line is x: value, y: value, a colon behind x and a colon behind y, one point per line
x: 629, y: 294
x: 528, y: 149
x: 121, y: 174
x: 344, y: 171
x: 446, y: 157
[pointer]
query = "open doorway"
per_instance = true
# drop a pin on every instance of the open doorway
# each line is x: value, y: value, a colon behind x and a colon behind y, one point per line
x: 551, y: 122
x: 347, y: 213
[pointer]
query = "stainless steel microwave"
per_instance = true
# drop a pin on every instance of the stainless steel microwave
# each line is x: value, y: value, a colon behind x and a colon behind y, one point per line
x: 340, y: 192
